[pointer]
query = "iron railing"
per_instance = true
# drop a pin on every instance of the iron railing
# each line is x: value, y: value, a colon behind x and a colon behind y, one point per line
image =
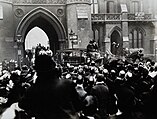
x: 118, y: 17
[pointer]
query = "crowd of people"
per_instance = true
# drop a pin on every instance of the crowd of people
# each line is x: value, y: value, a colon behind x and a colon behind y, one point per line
x: 47, y: 90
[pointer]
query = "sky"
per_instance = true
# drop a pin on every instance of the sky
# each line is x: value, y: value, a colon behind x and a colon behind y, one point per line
x: 34, y: 37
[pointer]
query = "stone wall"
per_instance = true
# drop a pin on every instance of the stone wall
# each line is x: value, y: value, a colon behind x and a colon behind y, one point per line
x: 7, y: 49
x: 79, y: 21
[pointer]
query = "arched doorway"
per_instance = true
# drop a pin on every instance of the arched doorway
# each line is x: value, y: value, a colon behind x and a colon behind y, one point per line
x: 48, y: 22
x: 34, y: 37
x: 116, y: 43
x: 43, y: 24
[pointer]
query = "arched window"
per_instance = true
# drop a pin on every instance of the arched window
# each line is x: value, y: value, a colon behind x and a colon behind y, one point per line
x: 94, y: 6
x: 96, y: 35
x: 135, y: 6
x: 110, y: 7
x: 140, y: 39
x: 136, y: 38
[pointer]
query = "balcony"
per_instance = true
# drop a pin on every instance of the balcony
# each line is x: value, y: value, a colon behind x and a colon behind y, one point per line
x: 140, y: 17
x: 106, y: 17
x: 118, y: 17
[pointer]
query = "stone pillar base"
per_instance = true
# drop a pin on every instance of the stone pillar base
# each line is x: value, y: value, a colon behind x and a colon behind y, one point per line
x: 125, y: 42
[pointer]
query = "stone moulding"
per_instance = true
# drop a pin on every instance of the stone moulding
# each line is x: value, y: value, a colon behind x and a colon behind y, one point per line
x: 39, y: 2
x: 49, y: 1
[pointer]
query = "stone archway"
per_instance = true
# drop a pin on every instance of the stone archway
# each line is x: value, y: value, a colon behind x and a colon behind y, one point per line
x: 48, y: 22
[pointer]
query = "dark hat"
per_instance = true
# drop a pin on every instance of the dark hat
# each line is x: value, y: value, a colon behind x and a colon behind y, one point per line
x: 24, y: 67
x: 92, y: 41
x: 100, y: 77
x: 44, y: 63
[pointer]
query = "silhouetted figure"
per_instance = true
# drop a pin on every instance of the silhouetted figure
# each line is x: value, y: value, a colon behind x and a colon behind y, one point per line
x: 101, y: 92
x: 92, y: 49
x: 50, y: 97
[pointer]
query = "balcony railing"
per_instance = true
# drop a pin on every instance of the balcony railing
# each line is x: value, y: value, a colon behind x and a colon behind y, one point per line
x: 136, y: 17
x: 106, y: 17
x: 113, y: 17
x: 98, y: 17
x: 118, y: 17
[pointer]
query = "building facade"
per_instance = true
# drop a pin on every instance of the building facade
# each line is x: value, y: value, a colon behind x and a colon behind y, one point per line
x: 114, y: 24
x: 120, y: 24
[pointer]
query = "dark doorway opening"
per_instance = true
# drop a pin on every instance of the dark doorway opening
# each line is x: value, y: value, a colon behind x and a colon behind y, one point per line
x: 47, y: 27
x: 116, y: 43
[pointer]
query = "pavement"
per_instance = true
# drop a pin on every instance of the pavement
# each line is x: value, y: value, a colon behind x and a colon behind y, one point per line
x: 9, y: 113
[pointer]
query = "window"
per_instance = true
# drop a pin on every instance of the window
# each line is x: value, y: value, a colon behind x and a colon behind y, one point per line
x: 96, y: 35
x: 135, y: 6
x: 124, y: 8
x: 94, y: 6
x: 136, y: 38
x: 110, y: 7
x: 1, y: 12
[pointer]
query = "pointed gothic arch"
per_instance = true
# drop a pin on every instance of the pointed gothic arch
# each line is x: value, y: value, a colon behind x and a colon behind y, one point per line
x: 47, y: 21
x: 115, y: 36
x: 46, y: 14
x: 115, y: 28
x: 140, y: 28
x: 136, y: 37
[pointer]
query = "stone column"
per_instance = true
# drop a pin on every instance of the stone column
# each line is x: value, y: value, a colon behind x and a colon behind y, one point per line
x: 107, y: 44
x: 79, y: 20
x: 7, y: 31
x: 101, y: 37
x: 107, y: 40
x: 125, y: 30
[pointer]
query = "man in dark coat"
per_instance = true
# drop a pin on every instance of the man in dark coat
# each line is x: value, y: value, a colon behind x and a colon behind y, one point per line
x: 125, y: 95
x: 101, y: 93
x: 50, y: 97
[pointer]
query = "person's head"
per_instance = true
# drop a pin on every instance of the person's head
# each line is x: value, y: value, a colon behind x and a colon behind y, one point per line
x: 129, y: 77
x: 129, y: 67
x: 68, y: 76
x: 80, y: 71
x: 92, y: 63
x: 91, y: 41
x: 24, y: 68
x: 79, y: 79
x: 100, y: 77
x: 92, y: 70
x: 15, y: 77
x: 44, y: 63
x: 105, y: 72
x: 140, y: 51
x: 145, y: 72
x: 48, y: 48
x: 122, y: 74
x: 113, y: 73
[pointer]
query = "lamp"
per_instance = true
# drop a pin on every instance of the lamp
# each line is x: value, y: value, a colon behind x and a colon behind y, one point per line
x: 19, y: 38
x: 72, y: 37
x: 19, y: 41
